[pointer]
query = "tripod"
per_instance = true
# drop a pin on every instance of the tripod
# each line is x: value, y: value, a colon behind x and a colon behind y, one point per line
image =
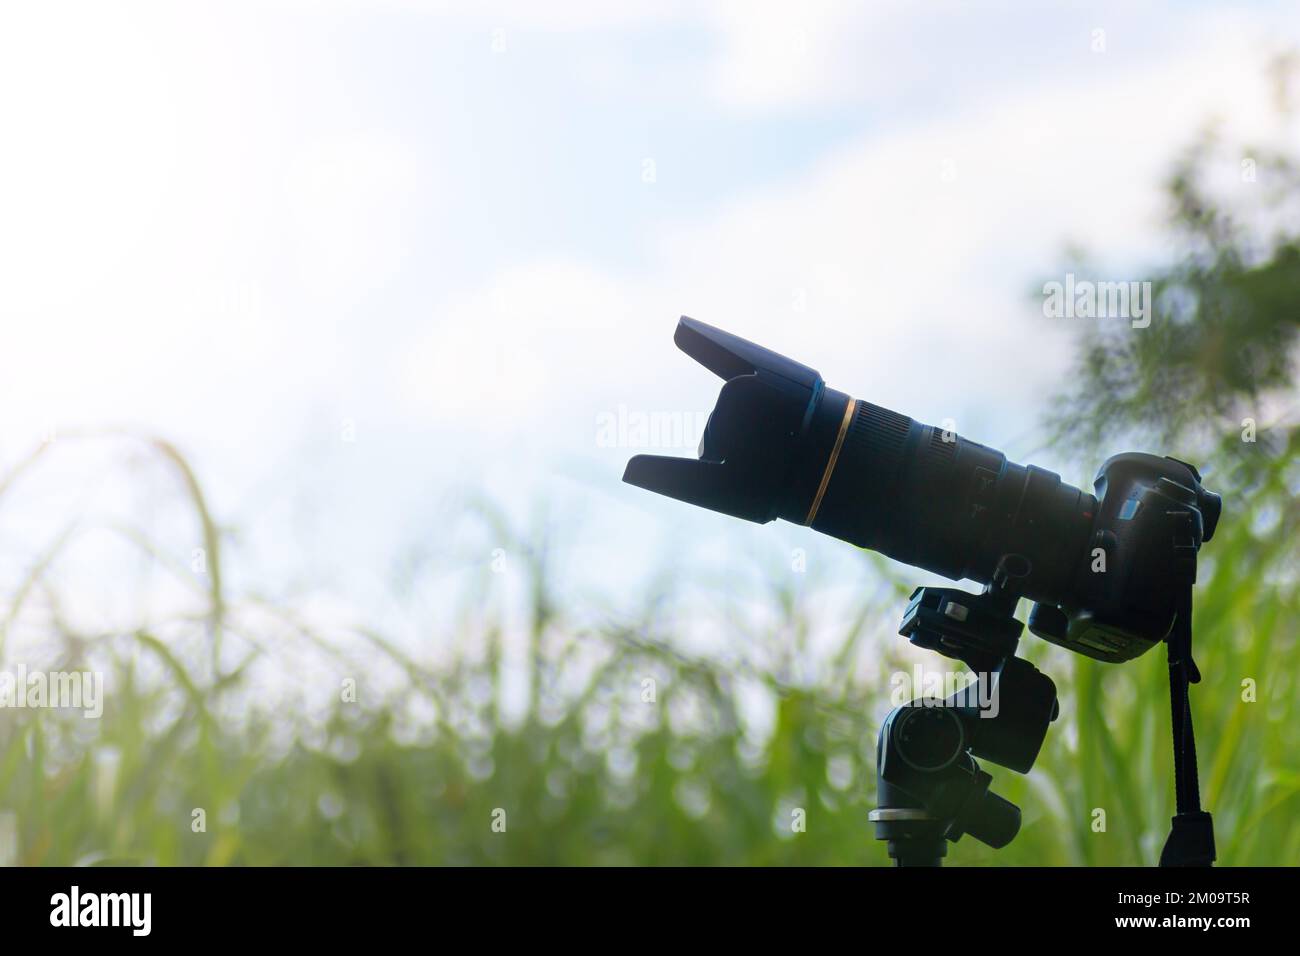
x: 930, y: 789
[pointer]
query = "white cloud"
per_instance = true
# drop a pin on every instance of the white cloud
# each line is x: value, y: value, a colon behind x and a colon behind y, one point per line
x: 915, y: 290
x: 519, y: 352
x: 775, y: 55
x: 352, y: 201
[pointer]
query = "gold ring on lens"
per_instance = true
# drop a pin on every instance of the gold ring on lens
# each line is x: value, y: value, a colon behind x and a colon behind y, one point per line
x: 830, y: 462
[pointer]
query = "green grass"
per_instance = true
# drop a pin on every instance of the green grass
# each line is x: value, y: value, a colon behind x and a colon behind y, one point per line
x: 589, y: 772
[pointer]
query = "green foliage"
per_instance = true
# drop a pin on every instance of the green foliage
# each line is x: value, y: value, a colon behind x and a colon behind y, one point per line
x: 602, y: 775
x: 1222, y: 344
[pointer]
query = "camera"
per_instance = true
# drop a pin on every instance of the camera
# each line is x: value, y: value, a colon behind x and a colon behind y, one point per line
x: 1103, y: 569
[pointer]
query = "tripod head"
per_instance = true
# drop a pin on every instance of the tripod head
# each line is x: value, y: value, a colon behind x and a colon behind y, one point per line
x: 930, y: 790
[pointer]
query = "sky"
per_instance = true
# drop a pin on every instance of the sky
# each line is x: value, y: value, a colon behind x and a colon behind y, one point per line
x: 359, y: 261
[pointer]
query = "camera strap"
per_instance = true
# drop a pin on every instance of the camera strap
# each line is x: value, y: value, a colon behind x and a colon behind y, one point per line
x: 1191, y: 840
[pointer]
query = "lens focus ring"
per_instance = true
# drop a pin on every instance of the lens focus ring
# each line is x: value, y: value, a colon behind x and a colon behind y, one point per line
x: 863, y: 488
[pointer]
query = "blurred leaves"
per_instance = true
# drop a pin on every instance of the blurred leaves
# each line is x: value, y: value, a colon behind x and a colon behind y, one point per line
x: 1222, y: 343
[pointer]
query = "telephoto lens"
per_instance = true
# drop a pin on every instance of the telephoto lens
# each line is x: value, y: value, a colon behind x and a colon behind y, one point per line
x: 780, y: 444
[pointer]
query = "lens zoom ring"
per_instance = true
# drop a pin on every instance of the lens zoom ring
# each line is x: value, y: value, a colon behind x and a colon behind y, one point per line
x: 878, y: 431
